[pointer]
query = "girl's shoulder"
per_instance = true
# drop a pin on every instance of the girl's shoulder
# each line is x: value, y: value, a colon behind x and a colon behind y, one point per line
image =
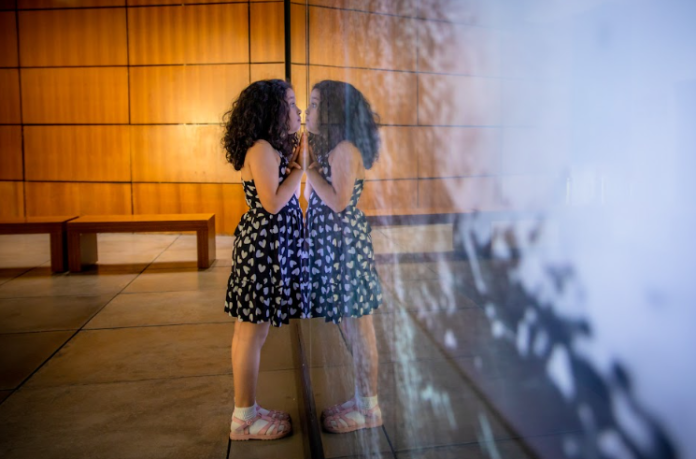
x: 263, y: 150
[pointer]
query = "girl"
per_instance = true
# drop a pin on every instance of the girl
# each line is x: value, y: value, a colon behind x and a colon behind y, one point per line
x: 344, y: 285
x: 265, y: 284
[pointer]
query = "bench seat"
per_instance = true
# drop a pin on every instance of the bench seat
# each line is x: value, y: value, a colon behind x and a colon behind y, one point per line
x: 54, y: 226
x: 82, y: 233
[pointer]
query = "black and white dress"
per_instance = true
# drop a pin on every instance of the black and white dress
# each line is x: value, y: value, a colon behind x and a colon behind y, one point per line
x: 268, y: 262
x: 343, y: 280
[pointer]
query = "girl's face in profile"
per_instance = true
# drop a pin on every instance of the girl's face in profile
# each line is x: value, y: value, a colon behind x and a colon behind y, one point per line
x: 312, y: 113
x: 294, y: 120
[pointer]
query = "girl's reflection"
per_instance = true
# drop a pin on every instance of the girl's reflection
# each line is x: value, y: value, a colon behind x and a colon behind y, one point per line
x: 345, y: 289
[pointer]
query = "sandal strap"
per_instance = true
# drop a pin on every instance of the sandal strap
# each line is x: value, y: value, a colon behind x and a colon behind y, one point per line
x: 270, y: 422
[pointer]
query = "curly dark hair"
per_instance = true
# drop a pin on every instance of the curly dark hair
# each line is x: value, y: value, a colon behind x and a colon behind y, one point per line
x: 260, y: 113
x: 345, y: 114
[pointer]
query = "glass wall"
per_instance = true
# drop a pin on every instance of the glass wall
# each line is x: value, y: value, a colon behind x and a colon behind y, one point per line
x: 529, y: 219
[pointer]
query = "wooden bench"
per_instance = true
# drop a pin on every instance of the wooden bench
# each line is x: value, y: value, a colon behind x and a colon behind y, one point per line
x: 82, y: 233
x: 54, y: 226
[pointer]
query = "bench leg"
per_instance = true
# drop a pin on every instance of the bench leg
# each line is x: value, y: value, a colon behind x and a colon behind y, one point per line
x: 59, y: 259
x: 82, y: 250
x: 206, y: 246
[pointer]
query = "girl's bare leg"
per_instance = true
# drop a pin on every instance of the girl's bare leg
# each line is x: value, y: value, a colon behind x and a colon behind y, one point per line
x: 247, y: 342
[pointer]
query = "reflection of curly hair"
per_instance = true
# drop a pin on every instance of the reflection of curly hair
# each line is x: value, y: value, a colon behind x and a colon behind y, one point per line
x: 260, y: 113
x: 345, y: 114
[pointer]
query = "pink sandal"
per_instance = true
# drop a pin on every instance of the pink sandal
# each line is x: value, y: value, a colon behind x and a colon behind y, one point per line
x: 275, y: 414
x: 341, y: 423
x: 243, y: 432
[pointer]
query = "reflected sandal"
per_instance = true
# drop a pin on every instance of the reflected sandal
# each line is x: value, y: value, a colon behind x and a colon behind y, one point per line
x: 243, y: 432
x: 336, y: 409
x: 341, y: 423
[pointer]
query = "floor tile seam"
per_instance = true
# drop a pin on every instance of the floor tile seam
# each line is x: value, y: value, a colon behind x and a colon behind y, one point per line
x: 135, y: 381
x: 37, y: 369
x: 125, y: 381
x: 128, y: 327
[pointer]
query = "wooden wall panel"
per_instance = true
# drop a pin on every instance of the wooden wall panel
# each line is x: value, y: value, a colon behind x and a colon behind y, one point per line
x: 457, y: 152
x: 389, y: 194
x: 9, y: 95
x: 73, y: 37
x: 456, y: 48
x: 75, y: 96
x: 298, y: 31
x: 11, y: 153
x: 12, y: 202
x: 178, y: 2
x: 180, y: 154
x: 7, y: 4
x: 77, y: 153
x: 299, y: 84
x: 267, y: 72
x: 226, y: 201
x: 188, y: 34
x: 470, y: 193
x: 8, y: 39
x: 392, y: 94
x: 458, y: 101
x: 55, y: 198
x: 30, y: 4
x: 356, y: 39
x: 190, y: 94
x: 267, y: 32
x: 398, y: 156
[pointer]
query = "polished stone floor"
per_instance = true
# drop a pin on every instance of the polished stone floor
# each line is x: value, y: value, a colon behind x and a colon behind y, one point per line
x: 131, y: 358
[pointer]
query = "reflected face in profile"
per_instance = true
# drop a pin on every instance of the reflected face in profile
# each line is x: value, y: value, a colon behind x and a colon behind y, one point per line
x: 294, y: 120
x: 312, y: 112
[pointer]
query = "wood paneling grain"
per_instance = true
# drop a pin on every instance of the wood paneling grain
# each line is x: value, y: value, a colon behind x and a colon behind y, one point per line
x: 356, y: 39
x: 298, y: 31
x: 267, y: 32
x: 8, y: 39
x: 69, y: 198
x: 9, y: 94
x: 398, y: 158
x: 267, y: 71
x: 389, y: 194
x: 195, y: 94
x: 457, y: 152
x: 299, y: 84
x: 201, y: 34
x: 225, y: 201
x: 73, y: 37
x: 12, y: 202
x: 391, y: 94
x: 11, y: 153
x: 180, y: 154
x: 178, y: 2
x: 75, y: 96
x: 31, y: 4
x: 458, y: 101
x: 77, y: 153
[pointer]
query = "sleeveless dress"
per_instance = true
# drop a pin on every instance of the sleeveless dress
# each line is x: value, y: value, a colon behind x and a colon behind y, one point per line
x: 343, y: 281
x: 268, y: 262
